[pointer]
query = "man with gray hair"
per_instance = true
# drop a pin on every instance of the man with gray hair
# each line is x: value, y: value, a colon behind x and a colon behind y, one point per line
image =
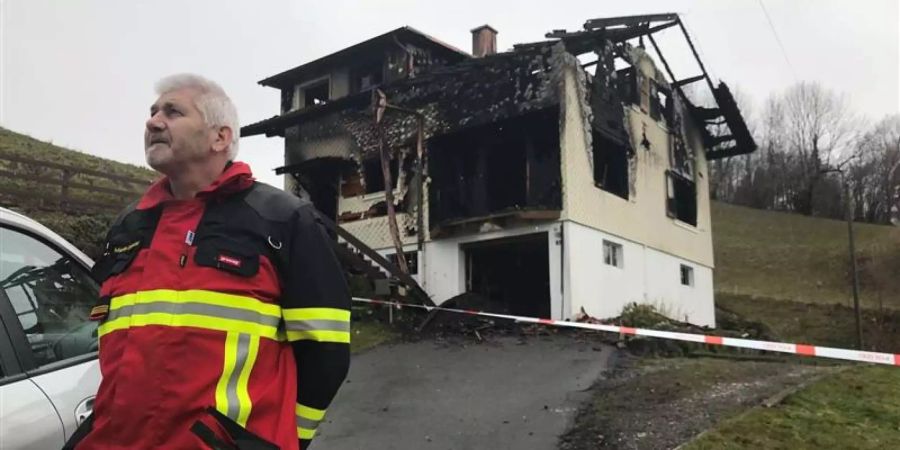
x: 224, y: 317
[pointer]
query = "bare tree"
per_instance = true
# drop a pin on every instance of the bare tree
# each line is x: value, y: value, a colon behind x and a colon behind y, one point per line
x: 819, y: 132
x: 876, y: 171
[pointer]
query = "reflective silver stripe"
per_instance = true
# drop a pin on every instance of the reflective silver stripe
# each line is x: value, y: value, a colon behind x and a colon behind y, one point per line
x: 231, y: 387
x: 307, y: 424
x: 317, y: 325
x: 194, y: 308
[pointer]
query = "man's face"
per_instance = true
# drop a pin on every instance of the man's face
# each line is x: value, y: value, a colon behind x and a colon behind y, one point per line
x: 176, y: 133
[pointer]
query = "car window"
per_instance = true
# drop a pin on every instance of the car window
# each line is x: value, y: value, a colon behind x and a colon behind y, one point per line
x: 52, y: 296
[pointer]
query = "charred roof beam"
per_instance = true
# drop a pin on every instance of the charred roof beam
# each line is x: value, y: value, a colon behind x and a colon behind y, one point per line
x: 687, y: 81
x: 594, y: 24
x: 727, y: 110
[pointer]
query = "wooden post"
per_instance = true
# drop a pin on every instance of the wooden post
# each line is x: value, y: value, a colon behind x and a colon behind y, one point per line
x: 381, y: 105
x: 64, y: 189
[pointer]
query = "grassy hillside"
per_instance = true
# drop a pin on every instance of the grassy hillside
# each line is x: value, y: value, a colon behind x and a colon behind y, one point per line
x: 792, y: 257
x: 26, y: 177
x: 85, y: 230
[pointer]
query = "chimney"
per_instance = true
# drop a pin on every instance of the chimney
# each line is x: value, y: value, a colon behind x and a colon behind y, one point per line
x: 484, y: 41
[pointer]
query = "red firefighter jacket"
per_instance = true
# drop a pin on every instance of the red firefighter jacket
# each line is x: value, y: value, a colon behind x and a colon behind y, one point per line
x: 225, y: 321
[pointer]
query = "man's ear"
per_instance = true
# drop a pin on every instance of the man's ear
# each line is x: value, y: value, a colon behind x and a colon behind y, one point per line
x: 224, y: 137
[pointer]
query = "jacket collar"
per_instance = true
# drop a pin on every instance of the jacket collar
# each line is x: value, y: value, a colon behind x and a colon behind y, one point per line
x: 235, y: 178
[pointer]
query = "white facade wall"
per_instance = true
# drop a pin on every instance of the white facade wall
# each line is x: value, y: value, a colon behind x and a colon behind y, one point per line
x: 694, y: 304
x: 647, y: 276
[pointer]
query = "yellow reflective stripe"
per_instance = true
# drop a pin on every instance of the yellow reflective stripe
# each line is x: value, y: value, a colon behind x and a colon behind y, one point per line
x: 191, y: 320
x: 310, y: 413
x: 340, y: 337
x: 232, y: 393
x: 113, y: 325
x: 303, y: 433
x: 308, y: 420
x: 194, y: 308
x: 243, y: 381
x: 227, y: 369
x: 338, y: 314
x: 122, y: 300
x: 197, y: 296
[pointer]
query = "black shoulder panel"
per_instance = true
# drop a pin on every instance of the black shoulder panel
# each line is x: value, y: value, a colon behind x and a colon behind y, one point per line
x: 125, y: 212
x: 272, y: 203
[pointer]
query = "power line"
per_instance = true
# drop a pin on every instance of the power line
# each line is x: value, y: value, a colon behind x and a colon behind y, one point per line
x: 778, y: 39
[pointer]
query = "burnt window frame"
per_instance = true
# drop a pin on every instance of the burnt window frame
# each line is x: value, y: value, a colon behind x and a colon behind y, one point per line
x: 672, y: 209
x: 660, y: 103
x: 412, y: 260
x: 619, y: 157
x: 313, y: 84
x: 375, y: 162
x: 369, y: 67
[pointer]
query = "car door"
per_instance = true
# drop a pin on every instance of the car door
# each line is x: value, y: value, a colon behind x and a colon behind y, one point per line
x: 45, y: 301
x: 27, y: 418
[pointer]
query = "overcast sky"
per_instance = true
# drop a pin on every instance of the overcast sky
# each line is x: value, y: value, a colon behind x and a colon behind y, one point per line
x: 80, y: 73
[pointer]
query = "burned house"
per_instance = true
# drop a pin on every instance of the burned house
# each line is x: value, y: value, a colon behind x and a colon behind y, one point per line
x: 561, y: 176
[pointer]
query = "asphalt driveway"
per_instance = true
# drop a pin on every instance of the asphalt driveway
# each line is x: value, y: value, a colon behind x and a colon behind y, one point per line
x: 506, y: 393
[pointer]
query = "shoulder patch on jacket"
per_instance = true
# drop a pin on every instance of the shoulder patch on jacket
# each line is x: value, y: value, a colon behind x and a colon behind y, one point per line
x: 272, y: 203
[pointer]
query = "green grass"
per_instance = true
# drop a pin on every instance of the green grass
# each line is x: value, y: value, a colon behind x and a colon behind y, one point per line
x: 805, y: 259
x: 857, y: 409
x: 791, y: 272
x: 19, y: 145
x: 370, y: 333
x: 818, y: 324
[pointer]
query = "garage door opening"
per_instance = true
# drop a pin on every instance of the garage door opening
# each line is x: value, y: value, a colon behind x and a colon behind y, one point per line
x: 513, y: 272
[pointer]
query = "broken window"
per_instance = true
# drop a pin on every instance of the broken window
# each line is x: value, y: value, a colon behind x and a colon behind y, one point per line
x: 367, y: 76
x: 687, y: 275
x: 351, y: 185
x: 681, y: 198
x: 412, y: 261
x: 374, y: 176
x: 681, y: 155
x: 505, y: 166
x: 316, y: 94
x: 610, y: 165
x: 659, y: 102
x: 612, y: 254
x: 626, y: 83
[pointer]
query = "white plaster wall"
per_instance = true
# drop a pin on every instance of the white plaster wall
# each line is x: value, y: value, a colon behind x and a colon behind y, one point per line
x: 648, y: 276
x: 444, y: 263
x: 694, y: 304
x: 601, y: 290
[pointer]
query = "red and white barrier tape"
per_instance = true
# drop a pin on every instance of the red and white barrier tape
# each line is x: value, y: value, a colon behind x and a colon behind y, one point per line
x: 890, y: 359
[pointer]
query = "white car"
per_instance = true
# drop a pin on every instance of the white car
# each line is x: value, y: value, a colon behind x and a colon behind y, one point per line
x: 49, y: 371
